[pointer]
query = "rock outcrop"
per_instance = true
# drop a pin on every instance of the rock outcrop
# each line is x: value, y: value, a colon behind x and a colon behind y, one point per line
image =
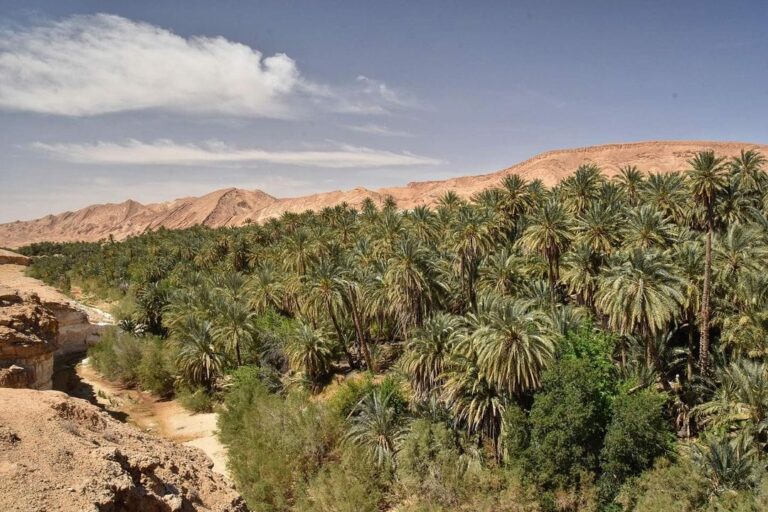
x: 76, y: 332
x: 28, y: 333
x: 62, y: 454
x: 235, y: 207
x: 12, y: 258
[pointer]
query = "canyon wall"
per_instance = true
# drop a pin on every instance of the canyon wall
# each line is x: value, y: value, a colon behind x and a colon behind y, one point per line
x: 28, y: 334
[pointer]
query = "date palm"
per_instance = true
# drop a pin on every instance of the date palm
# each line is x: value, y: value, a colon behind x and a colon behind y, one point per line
x: 630, y: 179
x: 640, y: 294
x: 514, y: 343
x: 706, y: 177
x: 747, y: 168
x: 426, y: 353
x: 582, y: 188
x: 234, y: 326
x: 310, y: 351
x: 666, y: 193
x: 470, y: 240
x: 198, y: 360
x: 646, y: 227
x: 408, y: 283
x: 581, y: 268
x: 598, y: 228
x: 689, y: 258
x: 548, y: 233
x: 377, y: 426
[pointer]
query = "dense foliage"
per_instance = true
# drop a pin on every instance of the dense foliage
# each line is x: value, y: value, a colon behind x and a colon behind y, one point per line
x: 595, y: 345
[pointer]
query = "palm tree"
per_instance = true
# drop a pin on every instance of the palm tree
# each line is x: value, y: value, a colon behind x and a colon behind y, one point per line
x: 706, y: 178
x: 426, y: 353
x: 741, y: 400
x: 640, y: 293
x: 500, y: 272
x: 581, y: 269
x: 198, y: 359
x: 548, y: 233
x: 470, y: 240
x: 598, y: 228
x: 234, y: 326
x: 689, y: 258
x: 747, y: 168
x: 647, y: 227
x: 514, y: 343
x: 630, y: 179
x: 473, y: 401
x: 376, y: 426
x: 324, y: 294
x: 582, y: 188
x: 408, y: 283
x: 740, y: 249
x: 310, y: 351
x: 666, y: 193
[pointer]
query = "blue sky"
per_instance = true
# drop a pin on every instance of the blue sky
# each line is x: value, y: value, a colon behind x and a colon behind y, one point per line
x: 104, y: 101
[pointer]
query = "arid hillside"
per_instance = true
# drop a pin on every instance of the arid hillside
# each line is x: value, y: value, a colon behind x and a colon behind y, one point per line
x: 234, y: 207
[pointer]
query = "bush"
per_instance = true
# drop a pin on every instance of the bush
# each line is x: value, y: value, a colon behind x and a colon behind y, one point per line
x: 348, y: 485
x: 198, y: 400
x: 117, y: 356
x: 275, y: 445
x: 668, y: 486
x: 568, y: 421
x: 637, y: 435
x: 429, y: 464
x: 156, y: 370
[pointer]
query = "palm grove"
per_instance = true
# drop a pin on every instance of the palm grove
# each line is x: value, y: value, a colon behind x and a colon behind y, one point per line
x: 595, y: 345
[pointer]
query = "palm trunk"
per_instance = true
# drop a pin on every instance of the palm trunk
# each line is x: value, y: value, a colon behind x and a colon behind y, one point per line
x: 362, y: 342
x: 691, y: 362
x: 648, y: 348
x: 350, y: 359
x: 704, y: 346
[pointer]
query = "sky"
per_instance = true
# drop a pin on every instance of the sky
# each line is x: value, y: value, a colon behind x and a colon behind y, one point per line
x: 153, y: 100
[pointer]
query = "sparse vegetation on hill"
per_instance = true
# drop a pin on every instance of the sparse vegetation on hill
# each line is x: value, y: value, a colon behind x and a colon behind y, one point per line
x: 597, y: 345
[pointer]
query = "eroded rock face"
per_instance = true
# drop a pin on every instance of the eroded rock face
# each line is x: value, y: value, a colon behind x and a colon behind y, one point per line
x: 28, y: 333
x: 12, y: 258
x: 59, y: 453
x: 76, y: 333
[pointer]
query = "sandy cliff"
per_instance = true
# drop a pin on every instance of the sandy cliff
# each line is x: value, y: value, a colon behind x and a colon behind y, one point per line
x: 235, y: 207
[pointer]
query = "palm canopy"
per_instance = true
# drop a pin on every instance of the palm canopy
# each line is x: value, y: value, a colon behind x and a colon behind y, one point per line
x: 640, y: 292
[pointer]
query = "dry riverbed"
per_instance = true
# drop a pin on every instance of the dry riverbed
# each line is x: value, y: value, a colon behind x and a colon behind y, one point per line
x: 163, y: 418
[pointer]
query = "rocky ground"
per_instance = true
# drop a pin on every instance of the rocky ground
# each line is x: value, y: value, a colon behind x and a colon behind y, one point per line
x: 59, y: 453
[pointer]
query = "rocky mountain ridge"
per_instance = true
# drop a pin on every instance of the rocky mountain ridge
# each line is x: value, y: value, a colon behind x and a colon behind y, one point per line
x: 235, y: 207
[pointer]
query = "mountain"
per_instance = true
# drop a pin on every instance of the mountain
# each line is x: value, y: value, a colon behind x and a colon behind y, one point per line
x: 235, y: 207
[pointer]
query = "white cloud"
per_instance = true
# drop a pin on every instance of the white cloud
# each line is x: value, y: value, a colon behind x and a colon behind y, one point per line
x: 167, y: 152
x: 96, y: 64
x: 378, y: 129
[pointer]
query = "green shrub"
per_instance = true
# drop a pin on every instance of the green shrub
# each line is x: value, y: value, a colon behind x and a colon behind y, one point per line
x: 668, y: 486
x: 197, y: 400
x: 117, y: 356
x: 568, y: 421
x: 637, y: 435
x: 429, y: 464
x: 276, y: 445
x: 348, y: 485
x: 156, y: 371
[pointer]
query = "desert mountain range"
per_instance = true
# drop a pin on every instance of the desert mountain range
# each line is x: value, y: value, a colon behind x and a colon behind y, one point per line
x: 235, y: 207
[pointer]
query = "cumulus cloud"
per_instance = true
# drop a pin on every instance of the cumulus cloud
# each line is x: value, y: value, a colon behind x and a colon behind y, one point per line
x: 215, y: 153
x: 96, y: 64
